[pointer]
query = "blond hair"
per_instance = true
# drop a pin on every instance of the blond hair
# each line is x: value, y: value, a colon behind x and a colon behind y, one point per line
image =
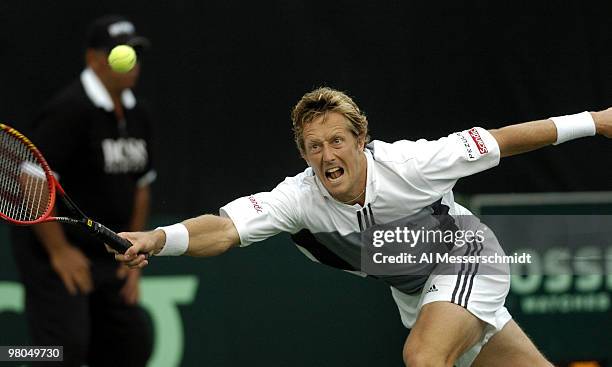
x: 320, y: 101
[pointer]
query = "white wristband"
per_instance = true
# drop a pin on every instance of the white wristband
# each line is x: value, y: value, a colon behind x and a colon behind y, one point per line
x: 177, y: 240
x: 573, y: 126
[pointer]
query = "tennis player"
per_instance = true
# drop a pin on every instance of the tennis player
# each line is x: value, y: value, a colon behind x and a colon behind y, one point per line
x: 351, y: 186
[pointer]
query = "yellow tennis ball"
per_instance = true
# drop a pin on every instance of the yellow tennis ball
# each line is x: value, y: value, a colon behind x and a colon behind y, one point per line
x: 122, y: 58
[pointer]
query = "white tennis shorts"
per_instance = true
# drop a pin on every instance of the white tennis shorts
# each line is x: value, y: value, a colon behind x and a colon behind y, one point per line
x: 483, y: 296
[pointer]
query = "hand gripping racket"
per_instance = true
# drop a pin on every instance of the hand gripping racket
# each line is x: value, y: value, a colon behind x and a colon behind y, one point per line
x: 28, y: 190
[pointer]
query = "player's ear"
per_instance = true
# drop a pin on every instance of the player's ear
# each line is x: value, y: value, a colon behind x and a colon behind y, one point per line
x: 303, y: 155
x: 361, y: 142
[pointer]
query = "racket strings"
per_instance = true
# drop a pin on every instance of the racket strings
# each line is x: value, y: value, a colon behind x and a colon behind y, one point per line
x: 24, y: 188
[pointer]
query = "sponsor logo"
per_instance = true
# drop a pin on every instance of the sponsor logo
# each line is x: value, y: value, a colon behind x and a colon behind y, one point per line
x: 258, y: 208
x: 123, y: 27
x: 433, y: 288
x: 468, y: 148
x: 482, y: 148
x: 124, y: 155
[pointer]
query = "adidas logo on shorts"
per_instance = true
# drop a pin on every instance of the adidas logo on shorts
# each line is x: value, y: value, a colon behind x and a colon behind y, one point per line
x: 433, y: 288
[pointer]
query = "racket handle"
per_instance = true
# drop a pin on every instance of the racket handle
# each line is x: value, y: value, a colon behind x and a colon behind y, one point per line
x: 109, y: 237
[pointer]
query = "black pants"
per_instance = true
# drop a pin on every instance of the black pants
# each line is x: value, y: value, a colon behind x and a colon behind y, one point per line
x: 97, y: 329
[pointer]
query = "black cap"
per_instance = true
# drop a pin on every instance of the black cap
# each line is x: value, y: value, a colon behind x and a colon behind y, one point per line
x: 112, y: 30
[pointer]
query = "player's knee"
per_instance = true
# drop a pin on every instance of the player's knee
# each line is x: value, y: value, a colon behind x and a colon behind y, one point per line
x: 423, y: 360
x: 415, y: 356
x: 536, y: 361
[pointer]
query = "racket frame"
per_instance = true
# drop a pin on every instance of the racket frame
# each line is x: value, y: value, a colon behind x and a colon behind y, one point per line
x: 95, y: 228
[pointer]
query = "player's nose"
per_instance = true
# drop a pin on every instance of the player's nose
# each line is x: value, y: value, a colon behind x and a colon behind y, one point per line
x: 327, y: 154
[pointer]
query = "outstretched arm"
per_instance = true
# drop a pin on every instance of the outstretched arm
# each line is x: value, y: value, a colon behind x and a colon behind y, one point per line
x: 206, y: 235
x: 528, y: 136
x: 243, y: 221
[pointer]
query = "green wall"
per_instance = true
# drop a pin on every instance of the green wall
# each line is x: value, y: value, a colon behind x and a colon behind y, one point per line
x: 268, y: 305
x: 265, y: 305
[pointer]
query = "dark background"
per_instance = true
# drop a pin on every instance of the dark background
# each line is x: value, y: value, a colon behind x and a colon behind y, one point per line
x: 223, y: 76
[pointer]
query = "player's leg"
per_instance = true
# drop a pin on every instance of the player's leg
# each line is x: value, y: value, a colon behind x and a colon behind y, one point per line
x: 510, y: 347
x: 443, y: 331
x: 116, y: 326
x: 452, y: 318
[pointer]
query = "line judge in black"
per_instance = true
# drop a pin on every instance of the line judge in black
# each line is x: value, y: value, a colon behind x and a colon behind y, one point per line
x: 96, y: 135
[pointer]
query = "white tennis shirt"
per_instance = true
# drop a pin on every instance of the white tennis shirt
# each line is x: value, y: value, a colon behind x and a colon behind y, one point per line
x: 403, y: 178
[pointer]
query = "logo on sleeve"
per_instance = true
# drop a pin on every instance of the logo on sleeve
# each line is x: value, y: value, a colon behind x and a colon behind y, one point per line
x: 480, y: 144
x: 258, y: 208
x: 468, y: 149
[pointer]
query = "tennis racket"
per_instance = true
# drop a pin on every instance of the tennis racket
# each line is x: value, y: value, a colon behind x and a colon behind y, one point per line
x: 28, y: 190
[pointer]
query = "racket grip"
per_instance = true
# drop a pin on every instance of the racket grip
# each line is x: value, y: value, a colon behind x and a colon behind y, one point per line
x: 110, y: 237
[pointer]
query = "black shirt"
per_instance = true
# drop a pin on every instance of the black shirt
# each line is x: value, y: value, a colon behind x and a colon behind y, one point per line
x: 100, y: 161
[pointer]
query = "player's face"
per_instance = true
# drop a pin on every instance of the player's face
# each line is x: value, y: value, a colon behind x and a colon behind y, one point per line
x: 336, y: 156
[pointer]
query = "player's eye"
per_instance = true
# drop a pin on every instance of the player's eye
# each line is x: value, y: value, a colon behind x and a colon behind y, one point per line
x: 337, y: 140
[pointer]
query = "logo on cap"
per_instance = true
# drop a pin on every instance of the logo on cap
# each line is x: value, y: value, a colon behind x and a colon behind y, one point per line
x: 123, y: 27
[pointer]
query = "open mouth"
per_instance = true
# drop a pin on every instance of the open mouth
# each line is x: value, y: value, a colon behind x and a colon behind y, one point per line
x: 334, y: 173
